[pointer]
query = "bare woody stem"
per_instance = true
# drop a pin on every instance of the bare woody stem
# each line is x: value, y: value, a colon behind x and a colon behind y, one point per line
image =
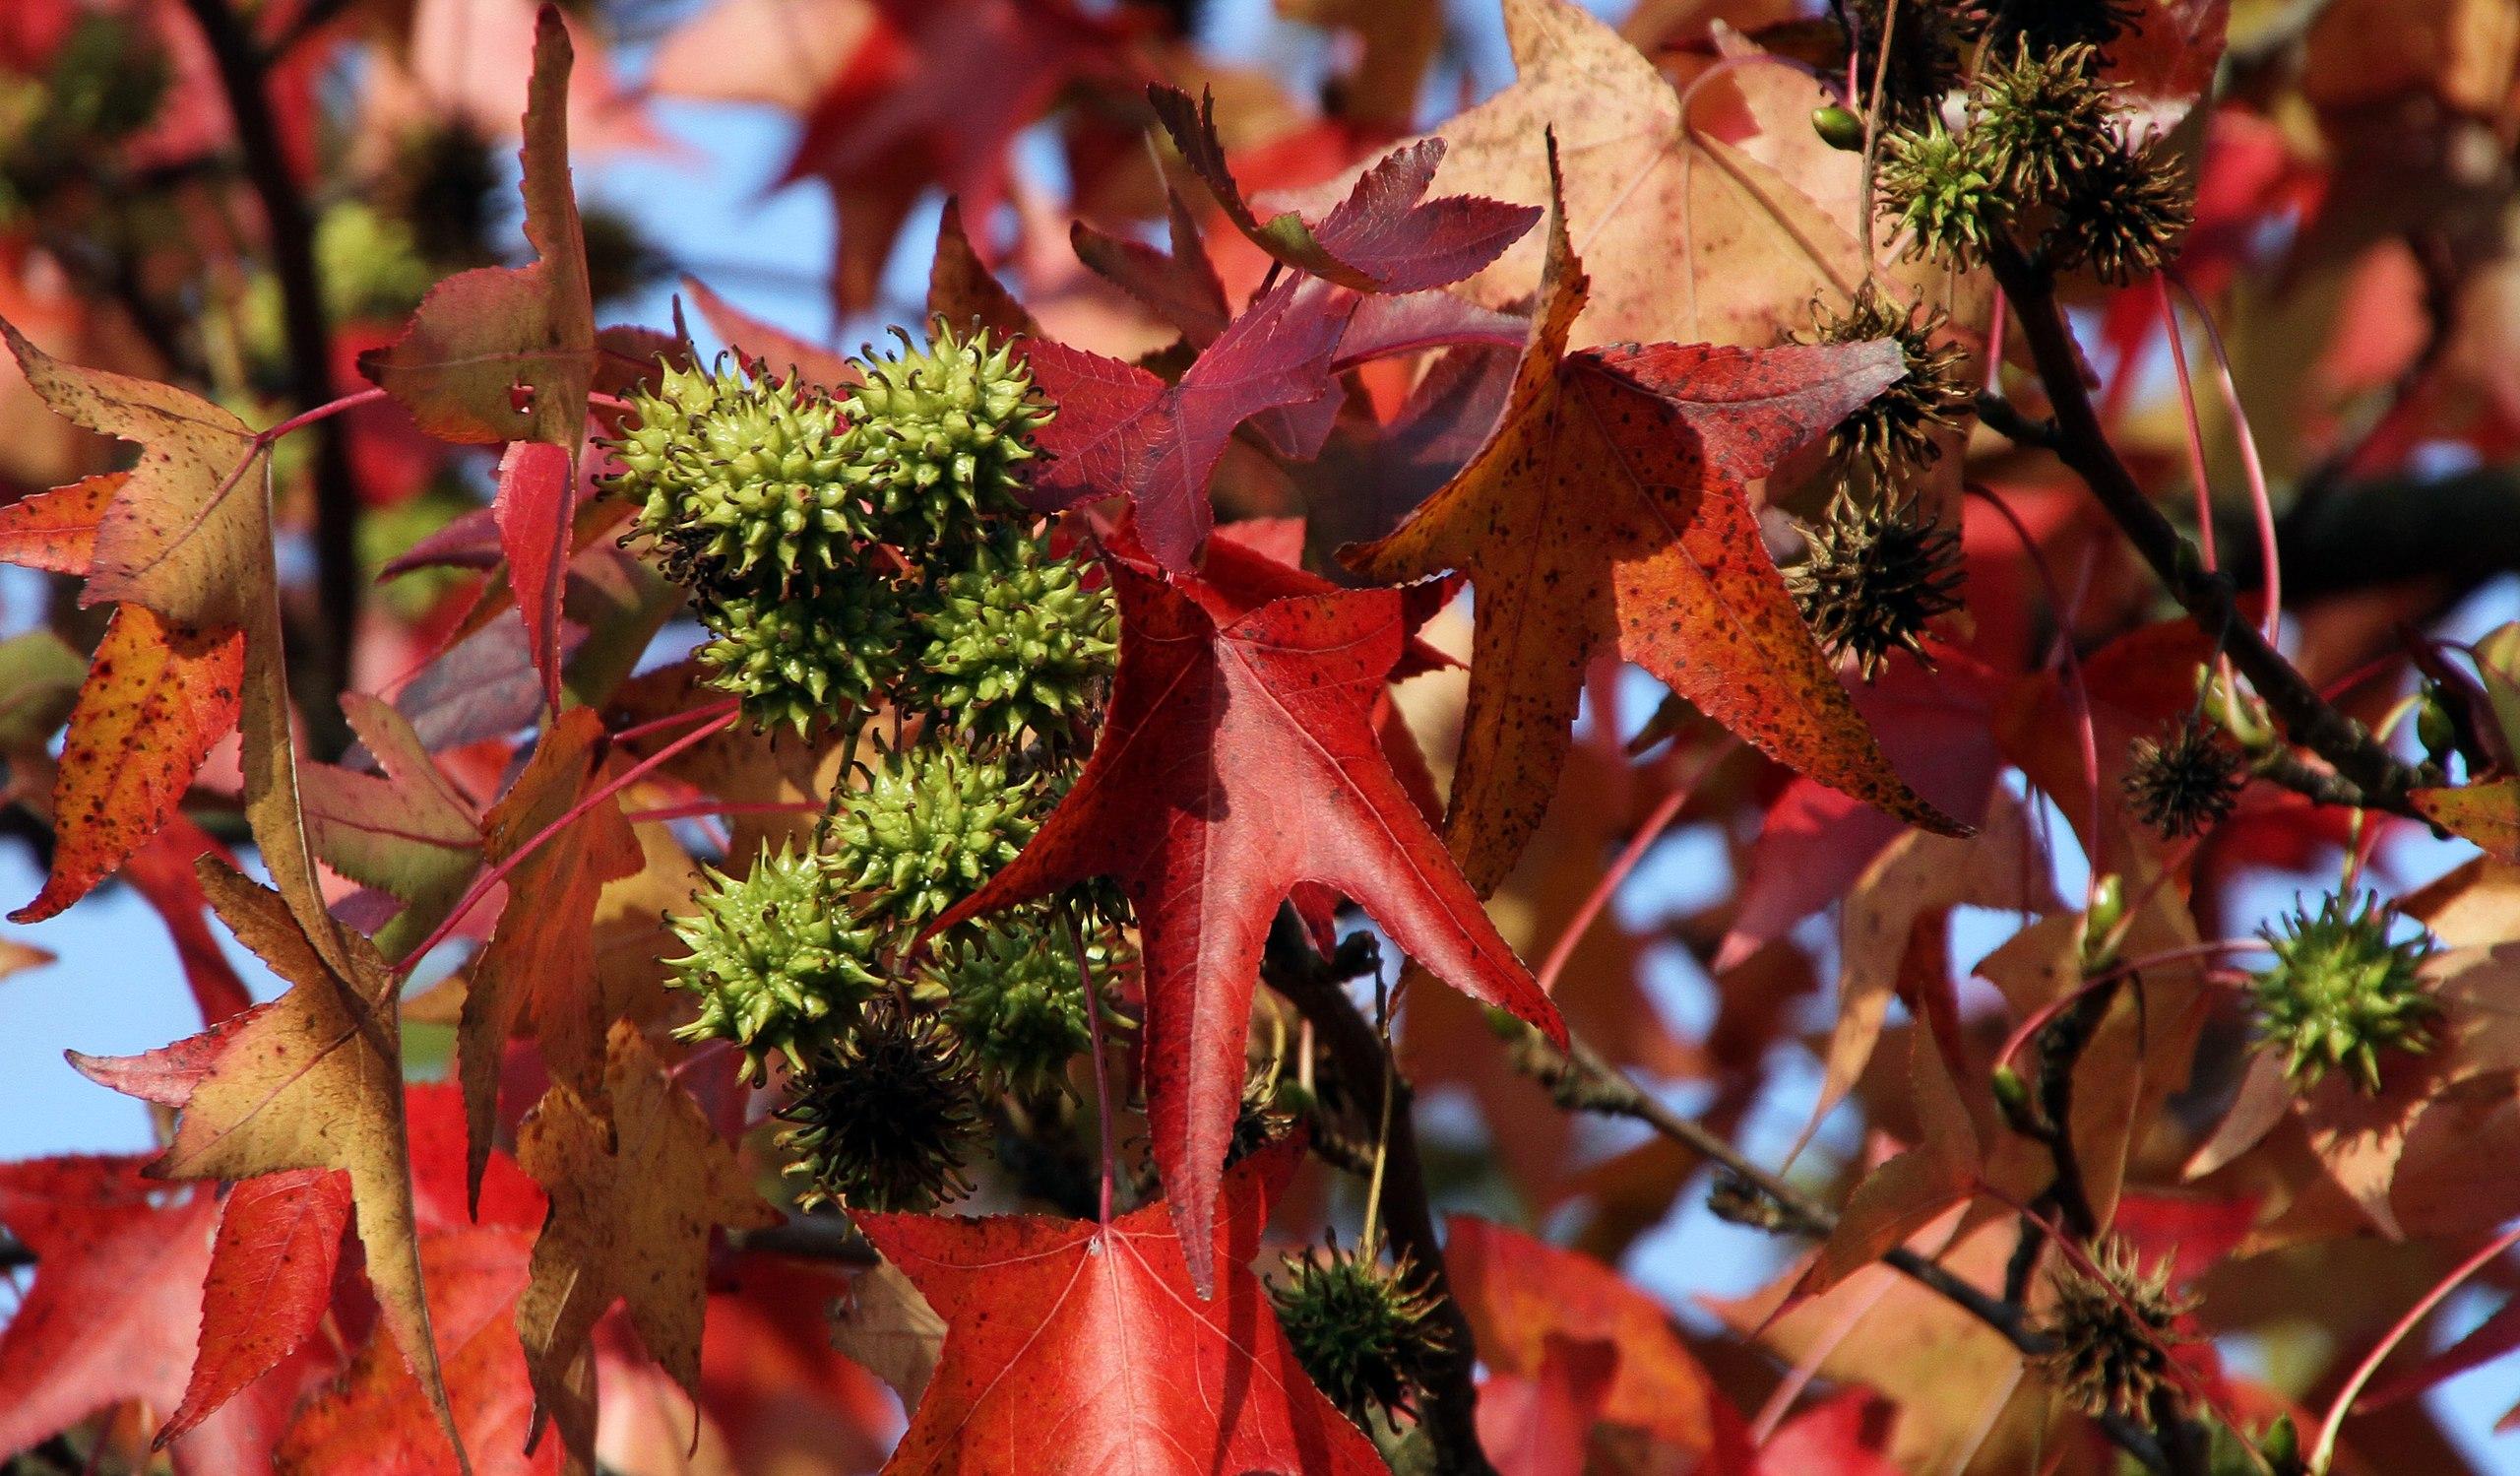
x: 2378, y: 779
x: 1584, y: 1080
x: 324, y: 644
x: 1296, y: 970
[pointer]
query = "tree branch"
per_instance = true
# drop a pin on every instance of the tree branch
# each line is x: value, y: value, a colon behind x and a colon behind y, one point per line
x: 325, y: 645
x: 1294, y: 969
x: 2082, y: 443
x: 1584, y: 1080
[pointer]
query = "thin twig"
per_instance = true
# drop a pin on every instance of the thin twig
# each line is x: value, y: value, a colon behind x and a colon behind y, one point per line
x: 2082, y: 443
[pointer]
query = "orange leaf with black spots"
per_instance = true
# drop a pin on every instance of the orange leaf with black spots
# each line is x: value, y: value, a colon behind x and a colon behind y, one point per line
x: 158, y: 695
x: 1607, y: 509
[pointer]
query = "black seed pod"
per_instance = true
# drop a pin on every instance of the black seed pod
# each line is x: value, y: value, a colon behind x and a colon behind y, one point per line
x: 1874, y: 578
x: 2045, y: 25
x: 2124, y: 215
x: 1366, y: 1333
x: 883, y: 1118
x: 2112, y: 1333
x: 1929, y: 44
x: 1895, y: 428
x: 2185, y: 781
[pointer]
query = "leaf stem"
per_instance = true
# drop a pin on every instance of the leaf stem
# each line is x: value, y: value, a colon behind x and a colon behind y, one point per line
x: 482, y: 885
x: 2324, y: 1452
x: 1101, y: 1083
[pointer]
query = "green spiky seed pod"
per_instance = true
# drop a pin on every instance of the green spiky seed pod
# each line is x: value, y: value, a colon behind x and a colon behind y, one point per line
x: 2123, y: 217
x: 2043, y: 121
x: 1897, y: 428
x: 2112, y: 1333
x: 930, y: 825
x: 1876, y: 576
x: 740, y: 479
x: 2184, y: 782
x: 1016, y: 641
x: 883, y: 1117
x: 1935, y: 183
x: 1013, y: 995
x: 774, y: 959
x: 938, y: 435
x: 1366, y: 1333
x: 794, y: 660
x: 2341, y: 990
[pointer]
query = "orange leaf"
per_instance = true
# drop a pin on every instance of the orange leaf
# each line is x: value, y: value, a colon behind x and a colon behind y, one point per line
x: 158, y: 696
x: 56, y: 531
x: 634, y: 1196
x: 2487, y: 815
x: 1608, y: 505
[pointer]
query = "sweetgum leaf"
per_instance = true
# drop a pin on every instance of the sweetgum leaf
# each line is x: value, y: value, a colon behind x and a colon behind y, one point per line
x: 1220, y: 735
x: 1608, y: 506
x: 503, y: 353
x: 536, y: 492
x: 116, y: 1299
x: 1122, y: 431
x: 314, y: 1082
x: 158, y: 697
x: 637, y: 1184
x: 56, y: 531
x: 537, y: 975
x: 269, y: 1284
x: 1093, y: 1331
x: 1386, y: 237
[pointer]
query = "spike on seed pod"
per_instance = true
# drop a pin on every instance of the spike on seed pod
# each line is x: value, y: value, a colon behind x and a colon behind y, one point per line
x: 1016, y: 641
x: 2183, y: 782
x: 2112, y: 1333
x: 931, y: 824
x: 1876, y: 576
x: 1366, y: 1333
x: 776, y: 962
x: 2341, y: 990
x: 883, y: 1117
x: 938, y: 433
x: 1895, y: 428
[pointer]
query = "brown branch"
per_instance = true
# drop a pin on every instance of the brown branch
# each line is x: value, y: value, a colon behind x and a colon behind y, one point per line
x: 808, y: 1237
x: 1449, y: 1412
x: 2210, y: 599
x: 323, y: 645
x: 1584, y: 1080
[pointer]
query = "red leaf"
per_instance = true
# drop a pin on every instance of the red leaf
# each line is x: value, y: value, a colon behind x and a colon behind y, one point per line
x: 1845, y: 1435
x: 503, y: 353
x: 1217, y: 739
x: 158, y: 695
x: 56, y: 531
x: 1520, y: 1293
x: 537, y: 481
x: 1120, y: 430
x: 167, y: 1074
x: 1536, y: 1426
x: 269, y: 1281
x: 1182, y: 287
x: 1075, y: 1348
x: 1386, y: 237
x: 116, y: 1297
x: 163, y: 873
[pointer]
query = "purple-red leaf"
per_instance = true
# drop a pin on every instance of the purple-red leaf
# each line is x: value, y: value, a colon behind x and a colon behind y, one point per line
x: 270, y: 1282
x: 1386, y: 237
x: 1122, y: 432
x: 535, y: 482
